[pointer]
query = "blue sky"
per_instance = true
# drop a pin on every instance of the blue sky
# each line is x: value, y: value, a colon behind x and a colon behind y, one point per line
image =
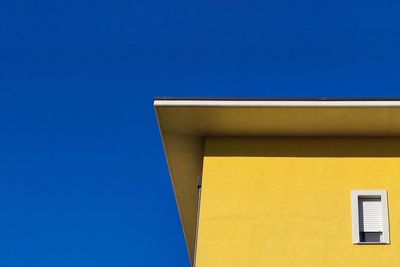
x: 83, y: 179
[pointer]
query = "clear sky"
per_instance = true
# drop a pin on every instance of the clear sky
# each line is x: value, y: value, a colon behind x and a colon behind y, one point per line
x: 83, y: 179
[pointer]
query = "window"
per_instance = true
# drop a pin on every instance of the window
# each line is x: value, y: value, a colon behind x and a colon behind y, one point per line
x: 370, y: 217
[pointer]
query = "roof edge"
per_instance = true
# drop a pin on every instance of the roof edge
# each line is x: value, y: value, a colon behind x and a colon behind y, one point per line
x: 281, y: 98
x: 275, y: 103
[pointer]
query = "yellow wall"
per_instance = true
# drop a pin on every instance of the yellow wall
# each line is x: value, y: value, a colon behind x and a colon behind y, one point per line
x: 286, y: 202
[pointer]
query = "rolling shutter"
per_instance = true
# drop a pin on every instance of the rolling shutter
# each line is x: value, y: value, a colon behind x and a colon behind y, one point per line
x: 371, y: 216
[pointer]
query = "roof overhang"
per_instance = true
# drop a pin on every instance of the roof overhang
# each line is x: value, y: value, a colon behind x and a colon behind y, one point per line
x: 184, y: 123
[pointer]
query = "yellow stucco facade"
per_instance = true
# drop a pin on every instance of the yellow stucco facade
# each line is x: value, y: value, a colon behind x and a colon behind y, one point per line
x: 286, y: 201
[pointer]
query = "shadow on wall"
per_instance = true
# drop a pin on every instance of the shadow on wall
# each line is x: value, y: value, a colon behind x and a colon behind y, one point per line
x: 302, y: 147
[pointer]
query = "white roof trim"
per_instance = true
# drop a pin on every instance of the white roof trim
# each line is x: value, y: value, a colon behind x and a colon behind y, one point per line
x: 269, y: 103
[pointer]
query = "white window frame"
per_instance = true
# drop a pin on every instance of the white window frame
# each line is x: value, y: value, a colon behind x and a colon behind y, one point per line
x: 355, y: 196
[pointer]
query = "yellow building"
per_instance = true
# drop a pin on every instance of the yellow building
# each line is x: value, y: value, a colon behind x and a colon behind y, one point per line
x: 285, y: 182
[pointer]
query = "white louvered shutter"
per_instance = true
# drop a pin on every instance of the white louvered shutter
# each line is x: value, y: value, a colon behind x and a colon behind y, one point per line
x: 371, y: 216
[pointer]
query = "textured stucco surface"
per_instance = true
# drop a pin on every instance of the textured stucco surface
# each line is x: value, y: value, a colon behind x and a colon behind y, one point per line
x: 286, y: 201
